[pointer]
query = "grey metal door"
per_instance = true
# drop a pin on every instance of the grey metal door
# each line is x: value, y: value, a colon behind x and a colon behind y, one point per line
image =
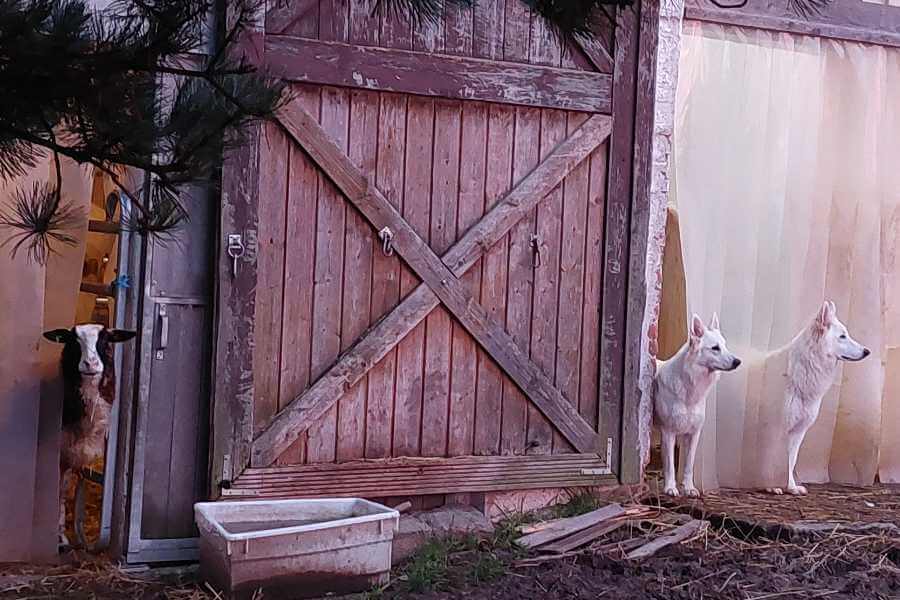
x: 170, y: 457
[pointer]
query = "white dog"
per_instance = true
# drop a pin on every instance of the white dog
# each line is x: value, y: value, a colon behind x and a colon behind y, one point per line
x: 679, y: 397
x: 811, y: 365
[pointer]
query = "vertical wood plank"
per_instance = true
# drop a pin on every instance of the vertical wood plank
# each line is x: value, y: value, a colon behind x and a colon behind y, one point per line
x: 417, y: 212
x: 526, y: 125
x: 631, y: 466
x: 589, y: 399
x: 571, y: 282
x: 232, y: 413
x: 395, y: 31
x: 329, y: 274
x: 299, y: 273
x: 386, y: 282
x: 471, y: 208
x: 546, y: 284
x: 334, y: 20
x: 428, y: 36
x: 363, y: 139
x: 615, y: 260
x: 297, y: 17
x: 489, y: 22
x: 274, y: 153
x: 521, y: 281
x: 458, y: 29
x: 444, y: 201
x: 516, y: 30
x: 489, y: 402
x: 364, y: 28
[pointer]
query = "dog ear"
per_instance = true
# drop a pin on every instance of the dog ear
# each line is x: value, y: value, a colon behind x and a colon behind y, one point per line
x: 714, y: 322
x: 825, y: 316
x: 697, y: 328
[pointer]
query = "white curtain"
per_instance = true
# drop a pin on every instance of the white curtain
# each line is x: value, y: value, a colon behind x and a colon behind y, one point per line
x: 787, y: 161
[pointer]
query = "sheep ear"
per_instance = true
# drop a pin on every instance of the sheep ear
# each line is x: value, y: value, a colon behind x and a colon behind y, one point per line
x: 60, y: 336
x: 120, y: 335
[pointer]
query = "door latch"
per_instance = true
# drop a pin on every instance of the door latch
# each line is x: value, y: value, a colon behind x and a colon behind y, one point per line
x: 235, y: 250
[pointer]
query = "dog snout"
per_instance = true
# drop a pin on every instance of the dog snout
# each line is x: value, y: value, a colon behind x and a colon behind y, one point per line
x: 866, y: 352
x: 735, y: 363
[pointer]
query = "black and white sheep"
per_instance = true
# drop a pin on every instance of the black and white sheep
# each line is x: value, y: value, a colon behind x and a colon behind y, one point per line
x: 89, y: 380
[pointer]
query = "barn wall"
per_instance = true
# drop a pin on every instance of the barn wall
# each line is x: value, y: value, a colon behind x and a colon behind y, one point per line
x: 41, y: 297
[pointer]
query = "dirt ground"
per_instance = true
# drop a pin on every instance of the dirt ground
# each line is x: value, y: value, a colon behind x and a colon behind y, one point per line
x: 836, y: 543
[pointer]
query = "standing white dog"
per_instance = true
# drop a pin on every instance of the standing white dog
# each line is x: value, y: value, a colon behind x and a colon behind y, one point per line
x: 679, y: 397
x: 812, y: 360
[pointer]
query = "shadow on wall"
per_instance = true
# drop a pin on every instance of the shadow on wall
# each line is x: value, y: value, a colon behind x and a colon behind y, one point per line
x: 673, y: 312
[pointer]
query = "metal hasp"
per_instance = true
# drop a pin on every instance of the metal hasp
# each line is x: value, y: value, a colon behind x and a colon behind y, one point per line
x: 235, y: 250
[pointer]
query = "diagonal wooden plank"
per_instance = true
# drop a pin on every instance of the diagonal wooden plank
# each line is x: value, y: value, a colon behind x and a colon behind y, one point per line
x: 351, y: 366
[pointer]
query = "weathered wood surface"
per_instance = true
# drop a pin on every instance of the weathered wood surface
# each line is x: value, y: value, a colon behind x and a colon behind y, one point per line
x: 417, y: 476
x: 631, y: 466
x: 617, y: 222
x: 566, y: 527
x: 681, y: 534
x: 583, y: 537
x: 441, y: 279
x: 444, y: 76
x: 849, y: 20
x: 386, y: 334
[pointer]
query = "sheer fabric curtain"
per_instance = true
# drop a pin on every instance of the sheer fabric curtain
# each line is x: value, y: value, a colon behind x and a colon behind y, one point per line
x: 787, y: 161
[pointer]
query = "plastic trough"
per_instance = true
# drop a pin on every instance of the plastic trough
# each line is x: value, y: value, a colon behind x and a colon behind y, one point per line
x: 295, y: 548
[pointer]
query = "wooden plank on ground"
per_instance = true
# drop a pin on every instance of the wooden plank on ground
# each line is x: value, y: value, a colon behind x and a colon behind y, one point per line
x: 444, y: 76
x: 681, y: 534
x: 566, y: 527
x: 354, y: 364
x: 583, y: 537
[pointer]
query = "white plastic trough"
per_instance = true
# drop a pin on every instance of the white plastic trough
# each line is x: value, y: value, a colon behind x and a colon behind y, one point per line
x: 295, y: 548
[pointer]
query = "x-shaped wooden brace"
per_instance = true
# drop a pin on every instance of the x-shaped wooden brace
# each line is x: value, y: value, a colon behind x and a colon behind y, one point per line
x: 441, y: 284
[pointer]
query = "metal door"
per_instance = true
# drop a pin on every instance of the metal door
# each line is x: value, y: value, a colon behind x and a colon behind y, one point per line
x: 170, y: 456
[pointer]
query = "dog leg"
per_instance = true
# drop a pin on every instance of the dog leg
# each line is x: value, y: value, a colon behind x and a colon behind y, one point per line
x: 670, y: 488
x: 795, y: 439
x: 693, y: 440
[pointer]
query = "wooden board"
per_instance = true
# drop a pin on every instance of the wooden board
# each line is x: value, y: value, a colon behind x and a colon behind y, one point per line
x: 566, y: 527
x: 444, y: 76
x: 417, y: 476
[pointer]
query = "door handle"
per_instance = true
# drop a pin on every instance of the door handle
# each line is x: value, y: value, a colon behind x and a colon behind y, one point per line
x: 163, y: 331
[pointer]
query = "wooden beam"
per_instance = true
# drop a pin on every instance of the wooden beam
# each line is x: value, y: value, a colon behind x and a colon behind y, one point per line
x: 355, y: 363
x: 847, y: 20
x: 232, y: 373
x: 597, y: 53
x: 631, y: 467
x: 445, y: 76
x: 419, y: 476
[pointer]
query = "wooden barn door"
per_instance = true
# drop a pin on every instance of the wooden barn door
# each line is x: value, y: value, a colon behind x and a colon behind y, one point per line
x: 430, y: 258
